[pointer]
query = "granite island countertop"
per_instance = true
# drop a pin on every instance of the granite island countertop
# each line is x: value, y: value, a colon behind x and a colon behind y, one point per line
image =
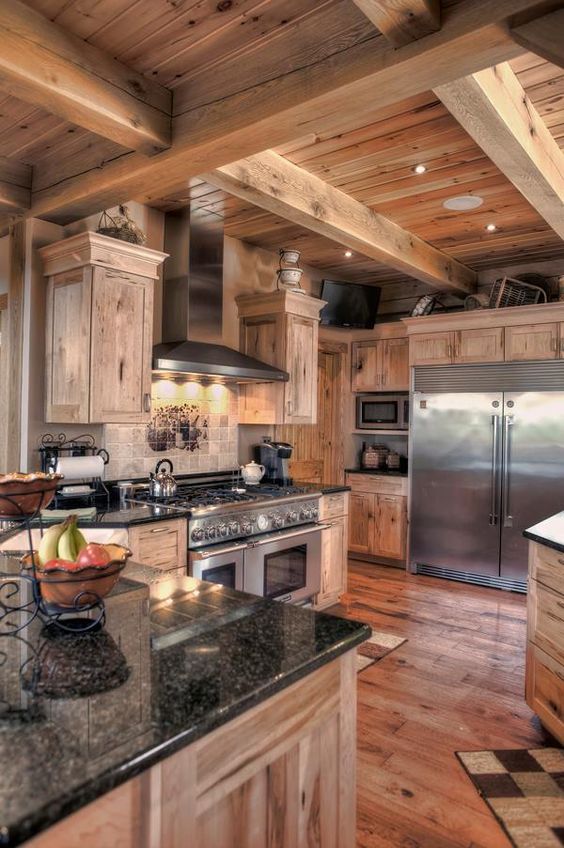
x: 80, y: 715
x: 549, y: 532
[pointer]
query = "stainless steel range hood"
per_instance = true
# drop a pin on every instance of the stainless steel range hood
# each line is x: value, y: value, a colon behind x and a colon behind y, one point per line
x: 193, y: 305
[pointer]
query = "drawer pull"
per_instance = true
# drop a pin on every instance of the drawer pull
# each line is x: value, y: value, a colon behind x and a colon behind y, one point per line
x: 160, y: 530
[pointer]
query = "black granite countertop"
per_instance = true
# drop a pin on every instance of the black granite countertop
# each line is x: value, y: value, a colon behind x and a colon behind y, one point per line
x: 381, y: 472
x: 549, y: 532
x: 81, y: 714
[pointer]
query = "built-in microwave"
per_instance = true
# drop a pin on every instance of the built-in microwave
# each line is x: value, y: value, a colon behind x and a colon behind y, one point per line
x: 382, y: 411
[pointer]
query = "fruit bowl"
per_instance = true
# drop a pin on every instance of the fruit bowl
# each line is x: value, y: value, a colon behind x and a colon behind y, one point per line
x: 80, y: 586
x: 24, y: 494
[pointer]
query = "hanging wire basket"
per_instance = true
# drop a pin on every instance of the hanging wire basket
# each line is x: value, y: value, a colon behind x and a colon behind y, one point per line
x: 121, y: 227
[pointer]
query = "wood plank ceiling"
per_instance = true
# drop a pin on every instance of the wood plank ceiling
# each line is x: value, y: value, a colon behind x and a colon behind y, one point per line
x: 180, y: 44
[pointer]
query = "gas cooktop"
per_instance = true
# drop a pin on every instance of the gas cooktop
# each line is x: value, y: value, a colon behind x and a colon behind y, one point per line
x: 194, y: 497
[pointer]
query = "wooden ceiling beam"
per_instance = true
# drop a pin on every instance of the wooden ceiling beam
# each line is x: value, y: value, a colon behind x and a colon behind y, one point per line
x: 403, y: 21
x: 15, y: 185
x: 543, y: 36
x: 43, y: 64
x: 272, y: 182
x: 320, y: 95
x: 494, y: 110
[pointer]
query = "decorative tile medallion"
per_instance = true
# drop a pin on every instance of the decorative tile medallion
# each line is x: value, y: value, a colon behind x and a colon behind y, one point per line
x: 180, y: 426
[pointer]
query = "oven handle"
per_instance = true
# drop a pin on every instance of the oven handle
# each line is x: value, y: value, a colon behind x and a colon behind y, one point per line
x: 218, y: 550
x: 291, y: 534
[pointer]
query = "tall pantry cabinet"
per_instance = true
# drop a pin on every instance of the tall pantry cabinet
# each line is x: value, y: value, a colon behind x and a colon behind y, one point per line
x: 99, y: 329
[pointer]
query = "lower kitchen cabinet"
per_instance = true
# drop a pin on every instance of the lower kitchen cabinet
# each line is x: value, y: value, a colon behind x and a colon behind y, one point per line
x: 162, y: 544
x: 378, y: 516
x: 333, y: 510
x: 544, y: 677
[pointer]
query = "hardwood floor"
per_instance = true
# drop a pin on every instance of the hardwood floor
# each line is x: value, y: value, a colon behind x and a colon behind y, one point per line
x: 457, y: 684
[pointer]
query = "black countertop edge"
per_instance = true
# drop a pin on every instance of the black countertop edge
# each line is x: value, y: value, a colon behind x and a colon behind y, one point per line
x: 91, y: 791
x: 549, y: 532
x: 381, y: 472
x: 331, y: 490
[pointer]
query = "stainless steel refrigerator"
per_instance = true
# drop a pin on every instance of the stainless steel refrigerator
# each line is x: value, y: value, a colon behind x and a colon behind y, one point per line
x: 487, y: 461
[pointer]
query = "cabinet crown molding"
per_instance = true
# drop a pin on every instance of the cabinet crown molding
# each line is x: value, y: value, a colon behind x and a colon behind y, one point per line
x: 89, y: 248
x: 541, y: 313
x: 296, y: 303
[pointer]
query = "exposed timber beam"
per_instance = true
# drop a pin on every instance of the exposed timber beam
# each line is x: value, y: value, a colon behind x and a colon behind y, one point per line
x: 328, y: 94
x: 43, y: 64
x: 277, y: 185
x: 402, y: 21
x: 15, y: 185
x: 543, y: 36
x: 493, y: 108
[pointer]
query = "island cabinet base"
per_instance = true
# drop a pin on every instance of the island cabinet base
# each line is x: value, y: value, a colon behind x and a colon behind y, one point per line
x: 282, y: 775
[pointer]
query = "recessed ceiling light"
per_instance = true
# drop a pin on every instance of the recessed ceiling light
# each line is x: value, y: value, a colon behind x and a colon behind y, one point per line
x: 463, y: 202
x: 420, y: 169
x: 491, y: 228
x: 348, y: 253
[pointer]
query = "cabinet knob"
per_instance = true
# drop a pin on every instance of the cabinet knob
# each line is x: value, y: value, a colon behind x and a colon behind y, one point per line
x: 147, y: 402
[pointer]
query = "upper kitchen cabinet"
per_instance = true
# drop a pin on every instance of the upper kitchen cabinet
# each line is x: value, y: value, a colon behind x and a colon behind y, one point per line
x: 99, y: 329
x: 280, y: 328
x: 380, y: 366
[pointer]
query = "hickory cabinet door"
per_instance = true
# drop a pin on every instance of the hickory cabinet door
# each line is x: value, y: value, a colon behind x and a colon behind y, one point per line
x: 121, y: 347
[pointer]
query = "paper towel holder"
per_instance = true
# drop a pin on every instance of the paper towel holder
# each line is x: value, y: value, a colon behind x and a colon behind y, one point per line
x: 54, y: 447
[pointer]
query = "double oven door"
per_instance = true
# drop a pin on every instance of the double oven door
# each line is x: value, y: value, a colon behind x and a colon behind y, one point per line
x: 284, y: 565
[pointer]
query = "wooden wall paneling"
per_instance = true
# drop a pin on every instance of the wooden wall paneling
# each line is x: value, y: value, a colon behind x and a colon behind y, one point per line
x: 45, y: 65
x: 493, y: 107
x: 403, y: 21
x: 302, y: 100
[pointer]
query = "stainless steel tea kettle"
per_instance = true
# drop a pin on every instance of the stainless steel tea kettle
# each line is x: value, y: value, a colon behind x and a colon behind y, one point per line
x: 161, y: 483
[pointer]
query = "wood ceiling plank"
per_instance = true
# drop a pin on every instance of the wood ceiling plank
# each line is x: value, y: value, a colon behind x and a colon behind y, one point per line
x: 403, y: 21
x: 321, y: 96
x: 544, y: 36
x: 493, y: 108
x: 15, y: 185
x: 275, y: 184
x: 42, y: 64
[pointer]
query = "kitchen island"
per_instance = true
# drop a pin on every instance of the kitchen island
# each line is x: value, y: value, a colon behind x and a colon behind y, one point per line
x: 196, y: 710
x: 544, y: 676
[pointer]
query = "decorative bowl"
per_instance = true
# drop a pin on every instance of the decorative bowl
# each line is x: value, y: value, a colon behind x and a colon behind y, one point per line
x: 80, y: 587
x: 290, y: 256
x: 290, y: 276
x: 24, y: 494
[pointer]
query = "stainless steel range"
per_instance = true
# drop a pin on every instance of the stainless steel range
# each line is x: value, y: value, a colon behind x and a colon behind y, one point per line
x: 265, y: 540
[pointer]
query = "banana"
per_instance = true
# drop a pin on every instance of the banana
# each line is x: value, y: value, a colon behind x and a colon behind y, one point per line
x: 80, y: 541
x: 67, y: 545
x: 49, y: 543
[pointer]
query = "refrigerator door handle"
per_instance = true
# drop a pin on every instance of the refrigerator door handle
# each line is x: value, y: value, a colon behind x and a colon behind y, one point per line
x: 494, y: 515
x: 507, y: 517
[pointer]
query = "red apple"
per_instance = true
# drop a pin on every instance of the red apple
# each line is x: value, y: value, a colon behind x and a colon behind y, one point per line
x: 93, y: 554
x: 59, y: 563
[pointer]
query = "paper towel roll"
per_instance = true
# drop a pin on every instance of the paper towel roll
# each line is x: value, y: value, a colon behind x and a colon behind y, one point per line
x: 80, y: 467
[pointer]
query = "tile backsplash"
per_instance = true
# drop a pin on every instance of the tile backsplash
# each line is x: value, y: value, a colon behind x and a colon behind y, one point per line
x: 192, y: 424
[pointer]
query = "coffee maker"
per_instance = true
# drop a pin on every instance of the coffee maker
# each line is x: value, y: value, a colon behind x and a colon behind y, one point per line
x: 275, y: 456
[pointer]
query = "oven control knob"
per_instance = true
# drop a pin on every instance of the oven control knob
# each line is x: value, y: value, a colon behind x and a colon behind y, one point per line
x: 246, y: 528
x: 234, y: 528
x: 262, y: 522
x: 277, y: 521
x: 305, y: 514
x: 210, y: 532
x: 315, y: 513
x: 223, y: 530
x: 197, y: 534
x: 291, y: 517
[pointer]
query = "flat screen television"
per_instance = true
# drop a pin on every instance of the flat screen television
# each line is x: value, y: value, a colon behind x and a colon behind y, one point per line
x: 349, y: 304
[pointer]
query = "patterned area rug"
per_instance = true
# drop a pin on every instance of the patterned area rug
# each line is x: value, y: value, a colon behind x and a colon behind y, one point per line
x: 376, y: 648
x: 525, y: 790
